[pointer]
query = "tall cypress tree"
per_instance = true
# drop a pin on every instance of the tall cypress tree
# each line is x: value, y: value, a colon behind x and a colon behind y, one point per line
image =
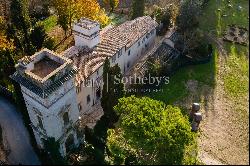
x: 38, y: 36
x: 105, y: 75
x: 20, y: 20
x: 19, y: 15
x: 138, y: 7
x: 112, y: 90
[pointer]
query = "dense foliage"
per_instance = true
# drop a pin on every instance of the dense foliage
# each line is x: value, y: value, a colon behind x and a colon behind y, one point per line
x: 20, y: 26
x: 188, y: 16
x: 111, y: 4
x: 27, y: 37
x: 192, y: 42
x: 149, y: 132
x: 38, y: 36
x: 166, y: 16
x: 52, y: 147
x: 70, y: 10
x: 6, y: 52
x: 112, y: 90
x: 138, y: 8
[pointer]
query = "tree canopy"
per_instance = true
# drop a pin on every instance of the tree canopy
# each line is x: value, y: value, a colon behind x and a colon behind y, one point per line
x: 112, y: 4
x: 20, y: 25
x: 70, y: 10
x: 188, y: 16
x: 38, y: 36
x: 149, y: 132
x: 138, y: 8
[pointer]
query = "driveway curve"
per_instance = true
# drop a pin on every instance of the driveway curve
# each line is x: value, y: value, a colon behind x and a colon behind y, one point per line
x: 16, y: 136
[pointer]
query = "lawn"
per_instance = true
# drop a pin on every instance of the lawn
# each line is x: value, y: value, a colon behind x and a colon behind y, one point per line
x: 218, y: 15
x: 176, y: 89
x: 236, y: 74
x: 236, y: 77
x: 49, y: 23
x: 226, y: 76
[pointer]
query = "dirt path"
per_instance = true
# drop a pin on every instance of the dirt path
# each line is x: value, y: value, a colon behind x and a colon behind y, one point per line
x: 223, y: 136
x: 222, y: 140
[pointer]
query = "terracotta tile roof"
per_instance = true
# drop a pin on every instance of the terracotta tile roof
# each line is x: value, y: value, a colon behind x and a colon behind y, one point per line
x: 113, y: 39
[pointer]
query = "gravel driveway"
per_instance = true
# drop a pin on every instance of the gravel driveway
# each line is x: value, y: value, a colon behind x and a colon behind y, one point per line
x: 16, y: 136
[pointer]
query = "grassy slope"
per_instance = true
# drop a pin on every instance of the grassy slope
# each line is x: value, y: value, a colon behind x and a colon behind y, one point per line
x: 211, y: 22
x: 176, y: 89
x: 235, y: 77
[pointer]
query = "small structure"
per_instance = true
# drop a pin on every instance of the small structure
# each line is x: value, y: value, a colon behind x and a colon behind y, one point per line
x: 195, y: 116
x: 86, y: 32
x: 236, y: 34
x: 240, y: 8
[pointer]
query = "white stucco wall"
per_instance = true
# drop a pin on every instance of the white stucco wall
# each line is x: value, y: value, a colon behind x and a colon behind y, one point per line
x: 51, y: 118
x: 86, y: 37
x: 135, y: 53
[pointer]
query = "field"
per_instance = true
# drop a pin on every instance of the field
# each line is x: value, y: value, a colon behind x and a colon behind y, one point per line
x: 221, y: 86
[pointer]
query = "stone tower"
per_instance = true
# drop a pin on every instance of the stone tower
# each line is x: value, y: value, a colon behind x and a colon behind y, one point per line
x: 86, y: 33
x: 47, y: 84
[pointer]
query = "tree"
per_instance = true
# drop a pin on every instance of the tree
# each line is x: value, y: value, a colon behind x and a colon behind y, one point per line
x: 19, y: 26
x: 65, y: 10
x: 2, y: 25
x: 38, y: 36
x: 148, y: 131
x: 19, y: 15
x: 112, y: 4
x: 49, y: 43
x: 112, y: 90
x: 20, y: 20
x: 52, y: 147
x: 196, y: 45
x: 173, y: 12
x: 192, y: 42
x: 138, y: 8
x: 70, y: 10
x: 6, y: 51
x: 106, y: 78
x: 187, y: 19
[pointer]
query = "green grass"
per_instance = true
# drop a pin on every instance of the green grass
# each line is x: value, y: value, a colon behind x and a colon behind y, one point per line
x: 235, y: 77
x: 116, y: 19
x: 212, y: 20
x: 49, y: 23
x: 176, y: 89
x: 236, y: 74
